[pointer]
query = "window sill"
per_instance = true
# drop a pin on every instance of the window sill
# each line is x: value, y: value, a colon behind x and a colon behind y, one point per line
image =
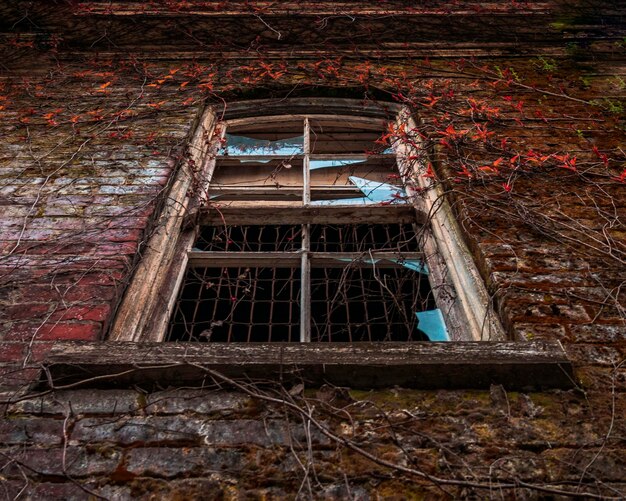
x: 515, y: 365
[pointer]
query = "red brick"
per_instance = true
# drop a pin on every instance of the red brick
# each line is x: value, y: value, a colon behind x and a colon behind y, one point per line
x: 87, y: 331
x: 70, y: 292
x: 15, y: 376
x: 39, y: 351
x: 26, y: 311
x: 11, y: 352
x: 68, y: 331
x: 110, y: 277
x: 96, y: 313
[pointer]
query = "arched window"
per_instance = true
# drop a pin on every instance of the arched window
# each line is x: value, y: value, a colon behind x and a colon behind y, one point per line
x: 300, y: 221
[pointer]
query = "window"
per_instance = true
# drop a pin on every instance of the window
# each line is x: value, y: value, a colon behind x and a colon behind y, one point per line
x: 304, y: 227
x: 353, y: 275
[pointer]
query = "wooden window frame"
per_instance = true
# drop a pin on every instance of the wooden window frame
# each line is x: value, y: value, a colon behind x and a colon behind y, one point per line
x: 148, y: 303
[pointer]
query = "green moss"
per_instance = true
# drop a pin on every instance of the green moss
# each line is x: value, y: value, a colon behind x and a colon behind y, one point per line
x: 394, y: 398
x: 547, y: 64
x: 142, y: 400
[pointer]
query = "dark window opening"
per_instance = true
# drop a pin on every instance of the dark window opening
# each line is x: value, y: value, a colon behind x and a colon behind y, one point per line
x: 363, y: 238
x: 367, y: 304
x: 238, y: 305
x: 267, y: 238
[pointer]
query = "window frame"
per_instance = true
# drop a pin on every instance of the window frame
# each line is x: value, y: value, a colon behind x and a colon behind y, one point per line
x: 148, y: 303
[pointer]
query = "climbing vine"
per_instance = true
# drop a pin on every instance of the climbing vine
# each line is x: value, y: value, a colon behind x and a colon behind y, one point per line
x: 524, y: 136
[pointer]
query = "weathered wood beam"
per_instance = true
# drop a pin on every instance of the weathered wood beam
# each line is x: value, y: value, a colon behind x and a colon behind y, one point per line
x: 318, y: 8
x: 268, y: 214
x: 216, y: 259
x: 521, y: 366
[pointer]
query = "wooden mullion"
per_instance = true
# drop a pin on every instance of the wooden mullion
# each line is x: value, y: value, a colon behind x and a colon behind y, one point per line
x: 358, y: 259
x: 306, y: 165
x: 305, y: 286
x: 293, y: 192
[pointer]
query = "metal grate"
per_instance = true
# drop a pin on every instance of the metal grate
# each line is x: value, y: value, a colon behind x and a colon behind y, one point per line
x: 367, y: 304
x: 363, y: 238
x: 352, y: 299
x: 269, y: 238
x: 238, y: 305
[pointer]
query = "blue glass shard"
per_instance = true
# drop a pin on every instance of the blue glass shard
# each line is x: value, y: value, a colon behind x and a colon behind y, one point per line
x: 431, y: 323
x: 379, y: 192
x: 325, y: 164
x: 412, y: 265
x: 344, y: 201
x: 248, y: 146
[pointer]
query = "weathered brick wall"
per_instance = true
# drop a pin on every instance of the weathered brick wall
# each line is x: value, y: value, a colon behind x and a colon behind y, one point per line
x: 89, y: 143
x: 78, y: 191
x: 186, y: 444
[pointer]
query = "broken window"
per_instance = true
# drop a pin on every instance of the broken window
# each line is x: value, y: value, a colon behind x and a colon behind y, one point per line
x: 311, y: 236
x: 306, y: 227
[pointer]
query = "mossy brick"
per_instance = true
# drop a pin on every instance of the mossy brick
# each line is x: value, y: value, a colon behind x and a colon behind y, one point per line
x: 341, y: 491
x: 574, y: 465
x: 57, y: 491
x: 82, y: 402
x: 198, y: 401
x: 597, y: 333
x: 592, y: 354
x: 553, y: 312
x: 541, y: 281
x: 29, y: 430
x: 138, y: 430
x: 189, y: 431
x: 168, y: 462
x: 526, y: 331
x: 602, y: 379
x: 217, y: 488
x: 76, y: 462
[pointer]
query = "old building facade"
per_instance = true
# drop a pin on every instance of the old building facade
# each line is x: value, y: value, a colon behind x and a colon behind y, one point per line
x: 496, y: 129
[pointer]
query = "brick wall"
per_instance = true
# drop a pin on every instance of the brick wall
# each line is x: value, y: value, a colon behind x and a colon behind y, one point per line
x: 89, y: 144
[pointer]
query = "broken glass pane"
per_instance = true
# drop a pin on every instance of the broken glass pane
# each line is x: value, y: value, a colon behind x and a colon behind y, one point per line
x: 326, y: 164
x: 380, y: 192
x: 248, y: 146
